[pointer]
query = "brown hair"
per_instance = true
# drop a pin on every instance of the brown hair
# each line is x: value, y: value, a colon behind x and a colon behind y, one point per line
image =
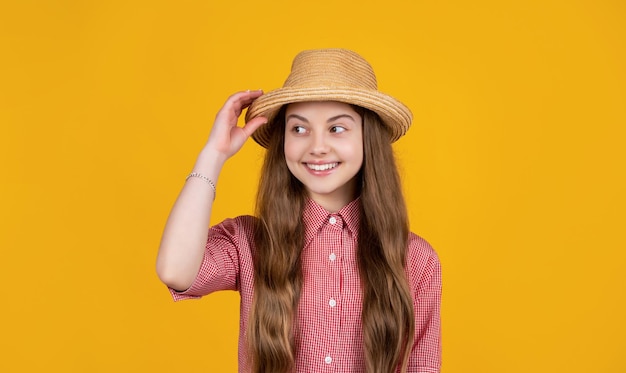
x: 387, y: 316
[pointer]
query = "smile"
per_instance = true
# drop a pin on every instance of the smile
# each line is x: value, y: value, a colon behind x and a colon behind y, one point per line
x: 322, y: 167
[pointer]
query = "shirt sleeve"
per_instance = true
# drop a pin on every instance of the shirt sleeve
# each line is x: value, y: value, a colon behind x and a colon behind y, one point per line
x: 220, y: 266
x: 425, y: 277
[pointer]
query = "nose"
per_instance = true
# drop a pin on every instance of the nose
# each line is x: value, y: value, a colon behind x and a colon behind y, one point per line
x: 319, y: 144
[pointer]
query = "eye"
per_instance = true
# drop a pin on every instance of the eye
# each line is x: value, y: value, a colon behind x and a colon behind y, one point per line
x: 337, y: 129
x: 299, y: 129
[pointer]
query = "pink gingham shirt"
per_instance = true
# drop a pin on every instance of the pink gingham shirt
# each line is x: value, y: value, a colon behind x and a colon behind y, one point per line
x: 329, y: 332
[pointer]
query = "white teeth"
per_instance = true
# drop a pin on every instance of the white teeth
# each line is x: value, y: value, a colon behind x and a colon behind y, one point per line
x: 321, y: 167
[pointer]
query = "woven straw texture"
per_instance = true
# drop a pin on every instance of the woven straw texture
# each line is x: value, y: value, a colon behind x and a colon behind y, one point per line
x: 331, y: 75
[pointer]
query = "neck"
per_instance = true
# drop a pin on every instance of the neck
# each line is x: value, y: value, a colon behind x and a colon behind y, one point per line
x: 335, y: 201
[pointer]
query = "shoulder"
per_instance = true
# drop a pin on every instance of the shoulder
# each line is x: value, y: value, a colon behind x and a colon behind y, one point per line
x: 419, y: 247
x: 421, y: 257
x: 239, y: 226
x: 239, y: 222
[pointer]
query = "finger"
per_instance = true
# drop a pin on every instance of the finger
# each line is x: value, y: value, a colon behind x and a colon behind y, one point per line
x: 253, y: 125
x: 235, y: 104
x: 244, y: 98
x: 240, y: 100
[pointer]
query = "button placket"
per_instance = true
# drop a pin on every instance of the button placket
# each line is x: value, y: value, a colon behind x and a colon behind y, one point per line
x: 334, y: 229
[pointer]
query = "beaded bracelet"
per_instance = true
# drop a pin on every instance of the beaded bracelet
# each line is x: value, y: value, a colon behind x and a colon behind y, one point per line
x: 206, y: 179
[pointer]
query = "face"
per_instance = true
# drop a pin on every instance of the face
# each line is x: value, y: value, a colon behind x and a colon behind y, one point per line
x: 324, y: 150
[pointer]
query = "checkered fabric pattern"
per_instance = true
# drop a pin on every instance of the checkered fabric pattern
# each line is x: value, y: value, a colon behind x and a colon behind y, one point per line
x: 329, y: 335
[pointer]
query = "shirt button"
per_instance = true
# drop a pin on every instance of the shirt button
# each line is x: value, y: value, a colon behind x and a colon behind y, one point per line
x: 332, y: 220
x: 332, y: 257
x: 332, y: 302
x: 328, y: 359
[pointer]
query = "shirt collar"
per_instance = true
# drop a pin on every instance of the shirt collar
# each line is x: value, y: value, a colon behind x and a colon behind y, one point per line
x: 314, y: 216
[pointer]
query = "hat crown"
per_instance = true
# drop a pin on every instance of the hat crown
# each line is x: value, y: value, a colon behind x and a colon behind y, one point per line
x: 330, y: 75
x: 331, y: 68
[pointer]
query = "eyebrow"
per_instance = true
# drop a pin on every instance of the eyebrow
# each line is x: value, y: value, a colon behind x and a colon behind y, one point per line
x: 332, y: 119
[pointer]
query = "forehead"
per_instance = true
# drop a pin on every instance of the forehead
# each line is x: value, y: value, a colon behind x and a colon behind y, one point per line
x: 329, y: 108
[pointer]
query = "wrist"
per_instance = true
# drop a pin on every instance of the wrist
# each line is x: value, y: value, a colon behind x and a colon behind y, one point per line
x: 210, y: 163
x: 213, y: 156
x: 206, y: 180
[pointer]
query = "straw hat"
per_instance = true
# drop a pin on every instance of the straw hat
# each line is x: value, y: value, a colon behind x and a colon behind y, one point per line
x: 331, y: 75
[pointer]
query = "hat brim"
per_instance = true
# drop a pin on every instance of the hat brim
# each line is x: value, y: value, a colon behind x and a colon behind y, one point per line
x: 394, y: 114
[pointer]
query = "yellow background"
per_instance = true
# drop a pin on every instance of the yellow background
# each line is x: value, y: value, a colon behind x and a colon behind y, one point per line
x: 514, y: 170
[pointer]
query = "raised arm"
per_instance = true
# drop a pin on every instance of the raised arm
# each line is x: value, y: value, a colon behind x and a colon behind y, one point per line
x: 184, y: 238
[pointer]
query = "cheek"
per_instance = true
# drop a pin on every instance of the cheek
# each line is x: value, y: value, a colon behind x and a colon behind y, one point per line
x: 292, y: 156
x: 292, y: 160
x: 358, y: 159
x: 356, y: 152
x: 290, y: 150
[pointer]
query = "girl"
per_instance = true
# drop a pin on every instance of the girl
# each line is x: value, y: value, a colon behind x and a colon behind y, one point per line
x: 330, y: 277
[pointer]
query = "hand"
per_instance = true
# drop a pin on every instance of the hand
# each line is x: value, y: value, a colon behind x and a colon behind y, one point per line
x: 226, y: 137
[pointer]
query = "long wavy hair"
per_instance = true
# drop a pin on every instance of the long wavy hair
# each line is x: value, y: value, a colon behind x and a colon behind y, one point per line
x: 387, y: 316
